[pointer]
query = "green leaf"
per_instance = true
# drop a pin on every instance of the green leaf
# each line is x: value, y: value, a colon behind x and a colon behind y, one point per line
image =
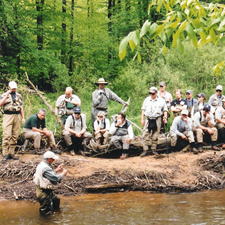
x: 145, y: 28
x: 190, y: 30
x: 180, y: 46
x: 153, y: 28
x: 139, y: 57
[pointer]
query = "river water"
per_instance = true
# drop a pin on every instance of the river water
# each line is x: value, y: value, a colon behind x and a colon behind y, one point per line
x: 131, y: 208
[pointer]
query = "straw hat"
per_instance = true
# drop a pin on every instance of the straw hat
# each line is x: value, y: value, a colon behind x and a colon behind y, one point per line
x: 101, y: 81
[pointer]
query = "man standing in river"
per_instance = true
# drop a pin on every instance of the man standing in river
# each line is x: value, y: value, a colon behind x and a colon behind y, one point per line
x: 46, y: 179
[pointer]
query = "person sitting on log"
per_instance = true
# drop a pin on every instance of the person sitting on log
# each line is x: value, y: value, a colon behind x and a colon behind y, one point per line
x: 182, y: 127
x: 122, y: 132
x: 75, y: 133
x: 35, y: 128
x: 220, y: 121
x: 65, y: 104
x: 178, y: 104
x: 198, y: 106
x: 101, y: 129
x: 218, y: 95
x: 204, y: 123
x: 151, y: 118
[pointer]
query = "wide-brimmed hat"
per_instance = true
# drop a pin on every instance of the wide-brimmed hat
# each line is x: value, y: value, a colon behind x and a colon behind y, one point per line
x: 50, y: 155
x: 101, y: 81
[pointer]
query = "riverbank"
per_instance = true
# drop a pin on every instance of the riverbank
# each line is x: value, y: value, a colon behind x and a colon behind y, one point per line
x: 175, y: 172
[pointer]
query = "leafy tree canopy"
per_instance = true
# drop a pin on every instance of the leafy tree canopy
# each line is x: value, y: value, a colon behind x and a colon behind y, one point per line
x: 197, y: 21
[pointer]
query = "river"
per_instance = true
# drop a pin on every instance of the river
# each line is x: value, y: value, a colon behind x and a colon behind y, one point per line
x: 131, y: 208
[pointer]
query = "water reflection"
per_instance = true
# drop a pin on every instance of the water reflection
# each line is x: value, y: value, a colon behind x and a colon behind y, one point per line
x: 124, y: 208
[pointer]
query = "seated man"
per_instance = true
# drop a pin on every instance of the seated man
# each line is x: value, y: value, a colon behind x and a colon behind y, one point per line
x: 101, y: 129
x: 182, y: 126
x: 122, y: 132
x: 35, y: 128
x: 220, y: 120
x: 75, y: 131
x: 204, y: 123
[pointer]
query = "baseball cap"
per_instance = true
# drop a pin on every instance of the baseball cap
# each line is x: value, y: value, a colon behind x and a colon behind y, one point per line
x: 162, y: 83
x: 153, y: 90
x: 184, y: 112
x: 201, y: 95
x: 77, y: 110
x: 50, y: 155
x: 207, y: 107
x: 189, y: 92
x: 219, y: 87
x: 12, y: 84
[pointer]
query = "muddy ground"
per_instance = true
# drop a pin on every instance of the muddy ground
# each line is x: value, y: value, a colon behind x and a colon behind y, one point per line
x: 174, y: 172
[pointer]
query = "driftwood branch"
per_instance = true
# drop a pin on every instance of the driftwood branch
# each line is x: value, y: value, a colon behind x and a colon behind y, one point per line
x: 43, y: 99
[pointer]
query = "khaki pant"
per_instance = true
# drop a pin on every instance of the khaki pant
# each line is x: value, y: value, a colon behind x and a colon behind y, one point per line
x: 174, y: 137
x: 151, y: 137
x: 37, y: 136
x: 68, y: 137
x: 200, y: 133
x: 116, y: 141
x: 100, y: 136
x: 11, y: 131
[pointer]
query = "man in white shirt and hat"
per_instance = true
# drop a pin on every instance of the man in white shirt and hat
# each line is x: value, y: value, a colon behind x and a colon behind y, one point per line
x: 218, y: 95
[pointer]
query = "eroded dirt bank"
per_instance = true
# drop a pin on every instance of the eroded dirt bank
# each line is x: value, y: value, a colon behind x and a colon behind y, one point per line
x: 176, y: 172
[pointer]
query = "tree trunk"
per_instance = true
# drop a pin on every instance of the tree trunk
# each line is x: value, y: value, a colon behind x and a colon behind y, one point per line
x: 71, y: 39
x: 39, y: 6
x: 63, y: 49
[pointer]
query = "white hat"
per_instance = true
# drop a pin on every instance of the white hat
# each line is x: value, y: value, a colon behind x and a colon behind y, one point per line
x: 219, y: 87
x: 184, y: 112
x: 12, y: 84
x: 101, y: 81
x: 50, y: 155
x: 153, y: 90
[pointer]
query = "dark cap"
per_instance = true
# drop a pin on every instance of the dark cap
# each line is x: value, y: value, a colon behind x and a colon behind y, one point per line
x: 207, y: 107
x: 77, y: 110
x: 201, y: 95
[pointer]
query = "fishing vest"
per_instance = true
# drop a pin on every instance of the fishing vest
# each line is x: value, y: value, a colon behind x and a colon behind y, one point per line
x: 122, y: 131
x: 13, y: 104
x: 41, y: 181
x: 66, y: 108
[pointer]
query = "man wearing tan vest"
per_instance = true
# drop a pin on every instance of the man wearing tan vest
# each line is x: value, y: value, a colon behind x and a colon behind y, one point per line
x: 12, y: 105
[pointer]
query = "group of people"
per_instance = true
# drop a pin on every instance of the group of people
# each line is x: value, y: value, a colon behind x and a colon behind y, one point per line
x: 193, y: 118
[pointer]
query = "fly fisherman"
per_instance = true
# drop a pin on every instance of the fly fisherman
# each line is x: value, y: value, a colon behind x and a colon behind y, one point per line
x: 101, y: 97
x: 46, y: 179
x: 65, y: 104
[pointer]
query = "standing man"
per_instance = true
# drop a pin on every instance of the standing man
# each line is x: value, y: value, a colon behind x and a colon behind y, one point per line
x: 65, y: 104
x: 122, y: 132
x: 75, y: 131
x: 204, y: 123
x: 46, y: 179
x: 220, y: 121
x: 151, y: 118
x: 100, y: 99
x: 182, y: 127
x: 165, y: 94
x: 178, y: 104
x: 12, y: 105
x: 35, y: 128
x: 190, y: 101
x: 218, y: 95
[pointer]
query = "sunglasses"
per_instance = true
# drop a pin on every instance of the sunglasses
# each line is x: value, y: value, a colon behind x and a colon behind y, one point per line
x: 161, y: 86
x: 218, y: 91
x: 152, y: 93
x: 199, y: 96
x: 100, y: 116
x: 188, y: 93
x: 77, y: 113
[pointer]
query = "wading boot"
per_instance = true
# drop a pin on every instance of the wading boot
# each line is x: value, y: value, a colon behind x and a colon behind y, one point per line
x: 5, y: 158
x: 124, y: 156
x: 195, y: 150
x: 200, y: 149
x: 215, y: 148
x: 14, y: 157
